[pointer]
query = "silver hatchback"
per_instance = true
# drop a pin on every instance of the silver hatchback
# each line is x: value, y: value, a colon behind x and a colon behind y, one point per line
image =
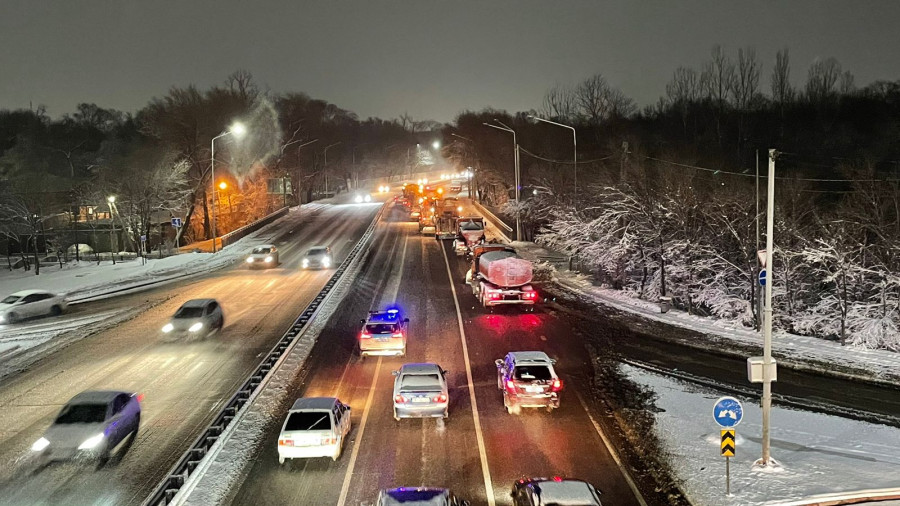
x: 420, y: 391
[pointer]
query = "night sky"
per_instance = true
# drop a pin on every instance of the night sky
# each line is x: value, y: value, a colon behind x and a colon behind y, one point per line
x: 429, y: 59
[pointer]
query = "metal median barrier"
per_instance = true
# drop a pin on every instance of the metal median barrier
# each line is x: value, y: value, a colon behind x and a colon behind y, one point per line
x: 178, y: 475
x: 505, y: 230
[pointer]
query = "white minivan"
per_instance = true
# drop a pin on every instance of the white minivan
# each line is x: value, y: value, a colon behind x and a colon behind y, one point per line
x: 314, y: 427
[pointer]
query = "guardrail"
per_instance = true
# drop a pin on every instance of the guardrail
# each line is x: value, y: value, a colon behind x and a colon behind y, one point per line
x: 856, y: 497
x: 505, y: 230
x: 192, y: 458
x: 236, y: 235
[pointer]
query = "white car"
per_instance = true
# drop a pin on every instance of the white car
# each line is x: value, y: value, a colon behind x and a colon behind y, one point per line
x: 362, y: 197
x: 263, y: 256
x: 30, y: 303
x: 314, y: 427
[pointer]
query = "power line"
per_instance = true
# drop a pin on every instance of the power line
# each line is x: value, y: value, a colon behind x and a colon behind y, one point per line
x: 529, y: 153
x: 784, y: 178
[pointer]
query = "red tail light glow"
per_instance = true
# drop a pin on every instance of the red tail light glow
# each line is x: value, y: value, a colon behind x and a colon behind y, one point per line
x: 285, y: 442
x: 557, y: 478
x: 399, y: 399
x: 510, y: 385
x: 440, y: 398
x: 556, y: 386
x: 140, y: 397
x: 397, y: 334
x: 329, y: 440
x: 529, y: 295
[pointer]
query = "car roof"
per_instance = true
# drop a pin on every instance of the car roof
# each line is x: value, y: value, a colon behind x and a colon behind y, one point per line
x: 423, y: 496
x: 197, y: 302
x: 530, y: 357
x: 317, y: 247
x: 421, y: 368
x: 96, y: 396
x: 264, y: 246
x: 313, y: 403
x: 387, y: 316
x: 23, y: 293
x: 563, y: 492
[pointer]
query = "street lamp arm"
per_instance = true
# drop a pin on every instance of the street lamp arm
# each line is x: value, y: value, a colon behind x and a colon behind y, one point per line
x: 463, y: 138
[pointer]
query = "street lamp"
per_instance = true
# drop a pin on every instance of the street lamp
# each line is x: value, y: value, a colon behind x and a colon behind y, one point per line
x: 325, y: 169
x: 238, y: 130
x: 574, y: 147
x: 471, y: 175
x: 111, y: 200
x: 436, y: 144
x: 518, y: 209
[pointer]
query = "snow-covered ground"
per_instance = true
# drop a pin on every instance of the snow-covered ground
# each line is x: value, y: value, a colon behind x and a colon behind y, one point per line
x: 818, y: 454
x: 789, y: 349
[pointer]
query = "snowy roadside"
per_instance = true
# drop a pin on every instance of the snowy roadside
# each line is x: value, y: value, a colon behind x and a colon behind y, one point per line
x: 818, y: 454
x: 791, y: 350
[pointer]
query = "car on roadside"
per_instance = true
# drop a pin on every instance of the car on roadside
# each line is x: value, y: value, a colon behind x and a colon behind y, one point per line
x: 318, y: 257
x: 263, y: 257
x: 420, y: 391
x: 418, y: 496
x: 383, y: 333
x: 29, y: 304
x: 91, y: 426
x: 555, y: 490
x: 196, y: 318
x: 314, y: 427
x: 528, y: 380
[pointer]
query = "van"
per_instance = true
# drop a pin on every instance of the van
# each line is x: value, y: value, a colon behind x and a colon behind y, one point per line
x: 314, y: 427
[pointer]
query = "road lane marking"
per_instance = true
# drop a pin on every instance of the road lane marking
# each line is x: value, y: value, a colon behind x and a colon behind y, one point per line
x: 345, y: 488
x: 485, y: 471
x: 612, y: 452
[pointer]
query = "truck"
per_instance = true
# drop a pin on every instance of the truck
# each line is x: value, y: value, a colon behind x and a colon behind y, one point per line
x: 469, y: 233
x: 498, y: 276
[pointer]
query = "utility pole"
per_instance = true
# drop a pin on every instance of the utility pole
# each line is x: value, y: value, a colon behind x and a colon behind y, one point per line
x: 325, y: 170
x: 768, y: 364
x: 516, y: 153
x: 756, y: 297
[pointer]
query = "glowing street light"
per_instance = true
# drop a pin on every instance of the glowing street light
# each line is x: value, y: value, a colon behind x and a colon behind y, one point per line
x: 223, y: 185
x: 238, y: 130
x: 436, y: 144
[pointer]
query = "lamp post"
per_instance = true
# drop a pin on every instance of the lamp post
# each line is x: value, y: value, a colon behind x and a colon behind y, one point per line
x: 325, y: 170
x: 112, y: 231
x: 283, y: 182
x: 574, y: 147
x: 516, y: 152
x: 238, y: 130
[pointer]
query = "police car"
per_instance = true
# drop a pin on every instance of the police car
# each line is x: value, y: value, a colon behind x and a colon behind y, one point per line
x: 383, y: 333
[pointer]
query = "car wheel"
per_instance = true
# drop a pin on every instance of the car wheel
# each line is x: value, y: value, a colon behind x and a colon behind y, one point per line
x: 12, y: 318
x: 281, y: 460
x: 56, y: 310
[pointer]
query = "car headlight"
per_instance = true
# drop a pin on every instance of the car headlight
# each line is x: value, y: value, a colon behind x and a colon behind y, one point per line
x: 326, y: 262
x: 358, y: 199
x: 268, y: 259
x: 168, y: 328
x: 250, y: 260
x: 40, y: 444
x: 2, y: 317
x: 195, y: 327
x: 305, y: 263
x: 91, y: 442
x: 368, y: 198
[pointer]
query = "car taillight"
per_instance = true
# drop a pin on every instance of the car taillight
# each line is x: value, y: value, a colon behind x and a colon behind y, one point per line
x: 557, y: 479
x: 140, y: 397
x: 397, y: 334
x: 510, y: 385
x: 365, y: 336
x: 285, y: 442
x: 329, y: 440
x: 556, y: 386
x: 440, y: 398
x: 530, y: 295
x: 399, y: 399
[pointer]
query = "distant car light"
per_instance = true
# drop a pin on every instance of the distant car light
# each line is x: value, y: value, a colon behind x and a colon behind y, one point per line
x: 268, y: 259
x: 250, y: 260
x: 195, y: 327
x: 168, y: 328
x: 358, y: 199
x: 40, y: 444
x: 91, y: 442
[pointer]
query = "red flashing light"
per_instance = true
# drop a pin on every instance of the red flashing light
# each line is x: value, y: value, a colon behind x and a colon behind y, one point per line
x: 557, y: 478
x: 140, y: 397
x: 399, y: 399
x: 510, y: 385
x: 440, y: 398
x: 557, y: 385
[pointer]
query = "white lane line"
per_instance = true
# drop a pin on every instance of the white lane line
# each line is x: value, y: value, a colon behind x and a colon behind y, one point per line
x: 345, y: 488
x: 485, y: 471
x: 609, y: 447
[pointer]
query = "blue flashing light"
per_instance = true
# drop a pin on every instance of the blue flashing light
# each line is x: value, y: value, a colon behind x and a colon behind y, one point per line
x: 393, y: 311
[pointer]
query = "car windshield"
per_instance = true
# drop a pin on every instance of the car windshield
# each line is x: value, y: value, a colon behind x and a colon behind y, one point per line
x: 533, y: 373
x: 471, y: 225
x: 315, y: 252
x: 308, y: 420
x: 10, y: 299
x: 380, y: 328
x: 189, y: 312
x: 262, y: 250
x: 82, y: 413
x: 420, y: 382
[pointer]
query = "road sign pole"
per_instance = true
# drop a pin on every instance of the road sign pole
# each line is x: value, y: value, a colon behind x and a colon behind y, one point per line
x: 728, y: 476
x: 767, y: 323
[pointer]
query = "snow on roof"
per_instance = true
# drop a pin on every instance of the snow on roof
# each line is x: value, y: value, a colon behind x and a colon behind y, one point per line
x: 96, y: 396
x: 23, y: 293
x: 524, y: 357
x: 313, y: 403
x: 197, y: 302
x: 421, y: 368
x: 564, y: 493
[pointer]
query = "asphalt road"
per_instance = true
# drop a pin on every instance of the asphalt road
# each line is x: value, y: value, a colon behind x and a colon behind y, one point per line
x: 184, y: 383
x: 477, y: 458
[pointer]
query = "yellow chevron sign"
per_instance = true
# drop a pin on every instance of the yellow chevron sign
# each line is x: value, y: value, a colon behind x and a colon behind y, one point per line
x: 728, y: 444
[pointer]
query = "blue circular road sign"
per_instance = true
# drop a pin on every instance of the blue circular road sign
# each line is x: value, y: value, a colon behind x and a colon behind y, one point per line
x: 728, y: 412
x: 762, y: 277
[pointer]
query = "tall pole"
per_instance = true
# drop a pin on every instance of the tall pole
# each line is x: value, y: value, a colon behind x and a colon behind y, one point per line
x: 325, y: 170
x: 767, y: 334
x: 756, y: 298
x: 516, y: 162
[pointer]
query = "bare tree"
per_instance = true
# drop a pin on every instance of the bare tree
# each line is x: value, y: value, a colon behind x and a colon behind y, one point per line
x: 591, y: 96
x: 719, y: 77
x: 683, y: 91
x: 821, y: 80
x: 847, y: 84
x: 782, y: 91
x: 560, y: 103
x: 746, y: 83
